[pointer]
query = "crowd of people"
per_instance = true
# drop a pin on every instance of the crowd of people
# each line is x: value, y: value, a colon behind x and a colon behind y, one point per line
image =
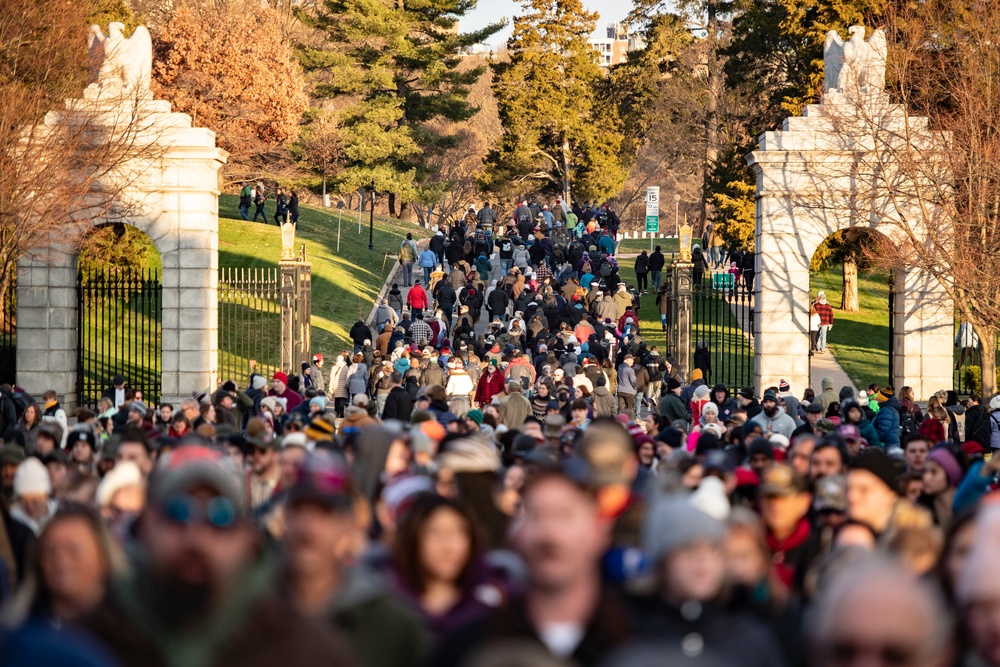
x: 501, y: 473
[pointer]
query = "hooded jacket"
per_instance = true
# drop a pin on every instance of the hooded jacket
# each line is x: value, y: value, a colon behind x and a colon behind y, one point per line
x: 887, y: 423
x: 728, y: 404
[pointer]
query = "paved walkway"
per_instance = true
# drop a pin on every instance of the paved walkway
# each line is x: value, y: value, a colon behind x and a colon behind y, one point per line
x: 823, y: 364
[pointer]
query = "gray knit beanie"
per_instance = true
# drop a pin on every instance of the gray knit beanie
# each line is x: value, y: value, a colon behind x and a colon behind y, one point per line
x: 673, y: 522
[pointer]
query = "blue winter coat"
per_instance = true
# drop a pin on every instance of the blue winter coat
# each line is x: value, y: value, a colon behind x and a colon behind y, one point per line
x: 887, y: 423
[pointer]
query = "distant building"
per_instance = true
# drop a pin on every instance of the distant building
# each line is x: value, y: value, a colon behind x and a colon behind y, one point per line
x: 614, y: 47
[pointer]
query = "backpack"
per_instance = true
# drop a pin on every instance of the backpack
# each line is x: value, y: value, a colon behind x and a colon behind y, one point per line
x: 523, y: 218
x: 907, y: 424
x: 606, y: 269
x: 406, y: 253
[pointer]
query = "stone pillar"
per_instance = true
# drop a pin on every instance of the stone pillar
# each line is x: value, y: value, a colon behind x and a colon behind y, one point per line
x: 924, y: 334
x: 46, y: 323
x: 289, y: 282
x: 683, y: 290
x: 781, y: 312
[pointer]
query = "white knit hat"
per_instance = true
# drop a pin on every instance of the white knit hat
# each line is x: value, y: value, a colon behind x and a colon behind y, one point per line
x: 32, y: 478
x: 123, y: 475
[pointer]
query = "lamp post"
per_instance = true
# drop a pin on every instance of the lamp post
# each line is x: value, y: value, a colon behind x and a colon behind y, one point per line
x: 340, y: 212
x: 677, y: 208
x: 684, y: 240
x: 371, y: 222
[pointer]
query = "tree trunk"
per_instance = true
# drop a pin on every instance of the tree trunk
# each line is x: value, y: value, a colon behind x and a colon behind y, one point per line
x: 392, y: 205
x: 405, y: 212
x: 712, y: 104
x: 988, y: 359
x: 849, y: 300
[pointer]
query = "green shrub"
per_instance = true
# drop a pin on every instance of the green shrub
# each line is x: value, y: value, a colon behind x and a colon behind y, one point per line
x: 973, y: 376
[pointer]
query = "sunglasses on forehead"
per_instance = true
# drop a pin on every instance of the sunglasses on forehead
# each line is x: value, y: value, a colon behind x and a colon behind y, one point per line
x: 217, y: 512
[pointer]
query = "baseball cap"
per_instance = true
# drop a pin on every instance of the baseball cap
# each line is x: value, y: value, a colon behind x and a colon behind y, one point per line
x: 831, y: 494
x: 815, y: 408
x: 781, y: 480
x: 325, y: 480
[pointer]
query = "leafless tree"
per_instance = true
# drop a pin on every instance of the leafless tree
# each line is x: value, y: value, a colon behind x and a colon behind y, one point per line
x: 931, y: 186
x: 63, y: 164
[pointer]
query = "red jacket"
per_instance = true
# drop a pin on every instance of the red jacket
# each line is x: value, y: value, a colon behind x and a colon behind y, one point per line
x: 417, y: 298
x: 490, y: 385
x: 825, y: 313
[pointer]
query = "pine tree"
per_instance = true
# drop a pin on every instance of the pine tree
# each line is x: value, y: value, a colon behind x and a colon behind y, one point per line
x: 390, y: 66
x: 557, y: 133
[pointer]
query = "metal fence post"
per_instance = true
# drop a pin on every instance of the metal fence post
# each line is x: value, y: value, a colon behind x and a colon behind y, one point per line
x: 683, y: 290
x: 289, y: 281
x: 303, y: 317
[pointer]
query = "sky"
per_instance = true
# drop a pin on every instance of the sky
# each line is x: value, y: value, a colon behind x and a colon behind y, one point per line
x: 488, y: 11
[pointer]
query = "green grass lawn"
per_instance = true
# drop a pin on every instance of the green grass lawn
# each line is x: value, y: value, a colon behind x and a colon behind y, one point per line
x: 629, y: 246
x: 344, y: 284
x: 859, y: 341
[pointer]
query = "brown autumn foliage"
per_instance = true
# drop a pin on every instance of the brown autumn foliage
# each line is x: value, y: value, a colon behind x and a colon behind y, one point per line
x: 231, y: 67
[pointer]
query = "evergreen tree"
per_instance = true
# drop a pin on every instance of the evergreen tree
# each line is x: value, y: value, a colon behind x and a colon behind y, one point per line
x: 773, y: 69
x: 558, y: 135
x: 391, y: 66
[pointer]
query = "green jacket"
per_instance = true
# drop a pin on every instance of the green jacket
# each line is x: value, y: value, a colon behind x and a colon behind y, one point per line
x: 672, y: 408
x: 383, y: 631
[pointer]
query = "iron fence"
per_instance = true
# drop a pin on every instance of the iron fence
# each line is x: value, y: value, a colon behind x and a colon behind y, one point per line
x: 8, y: 334
x: 722, y: 330
x: 119, y: 331
x: 249, y: 322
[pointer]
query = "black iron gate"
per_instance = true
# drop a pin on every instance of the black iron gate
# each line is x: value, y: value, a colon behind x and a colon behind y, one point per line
x: 722, y: 329
x: 119, y: 331
x: 8, y: 335
x: 249, y: 323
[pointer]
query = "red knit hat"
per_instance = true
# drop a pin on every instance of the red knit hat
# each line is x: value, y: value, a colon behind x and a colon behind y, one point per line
x: 280, y: 376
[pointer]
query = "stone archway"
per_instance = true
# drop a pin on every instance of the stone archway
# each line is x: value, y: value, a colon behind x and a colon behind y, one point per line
x: 174, y: 199
x: 807, y: 185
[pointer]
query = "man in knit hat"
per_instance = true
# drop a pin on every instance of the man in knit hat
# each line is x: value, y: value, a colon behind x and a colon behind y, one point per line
x: 200, y: 562
x: 686, y: 614
x: 773, y: 419
x: 280, y: 388
x: 872, y: 493
x: 33, y: 505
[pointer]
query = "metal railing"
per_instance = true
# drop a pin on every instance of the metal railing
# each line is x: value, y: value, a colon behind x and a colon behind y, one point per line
x: 249, y: 323
x: 722, y: 320
x: 119, y: 331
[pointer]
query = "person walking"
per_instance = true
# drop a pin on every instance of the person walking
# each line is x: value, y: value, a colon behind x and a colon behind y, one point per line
x: 417, y: 299
x: 407, y: 255
x: 258, y: 200
x: 428, y: 260
x: 656, y: 262
x: 825, y: 312
x: 246, y: 198
x: 641, y: 272
x: 281, y: 212
x: 293, y: 208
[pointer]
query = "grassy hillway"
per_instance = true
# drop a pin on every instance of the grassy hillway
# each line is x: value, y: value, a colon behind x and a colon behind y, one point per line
x: 344, y: 284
